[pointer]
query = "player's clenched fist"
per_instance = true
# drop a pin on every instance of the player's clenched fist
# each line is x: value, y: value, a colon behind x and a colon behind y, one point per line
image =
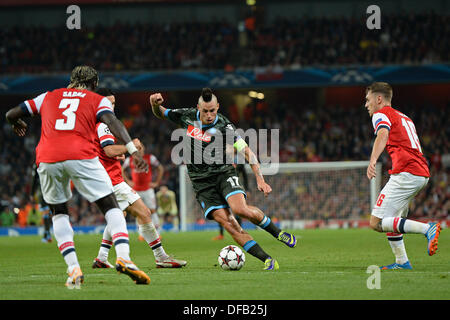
x: 156, y: 99
x: 264, y: 187
x: 20, y: 127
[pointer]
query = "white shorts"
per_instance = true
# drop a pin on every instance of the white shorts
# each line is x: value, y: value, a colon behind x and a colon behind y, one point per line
x: 397, y: 194
x: 88, y: 176
x: 125, y: 195
x: 149, y: 198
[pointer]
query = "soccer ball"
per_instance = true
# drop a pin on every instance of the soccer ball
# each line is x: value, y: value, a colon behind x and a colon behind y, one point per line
x: 231, y: 258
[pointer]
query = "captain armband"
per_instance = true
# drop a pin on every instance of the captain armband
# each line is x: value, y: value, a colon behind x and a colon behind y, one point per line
x: 239, y: 145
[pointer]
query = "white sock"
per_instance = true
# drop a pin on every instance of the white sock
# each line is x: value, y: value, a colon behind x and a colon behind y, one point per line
x: 106, y: 245
x: 155, y: 220
x: 63, y: 232
x: 412, y: 226
x: 151, y: 236
x: 398, y: 247
x: 401, y: 225
x: 119, y: 233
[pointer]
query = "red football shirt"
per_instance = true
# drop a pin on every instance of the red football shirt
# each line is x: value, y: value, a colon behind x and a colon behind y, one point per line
x: 403, y: 144
x: 142, y: 179
x: 104, y: 138
x: 68, y: 119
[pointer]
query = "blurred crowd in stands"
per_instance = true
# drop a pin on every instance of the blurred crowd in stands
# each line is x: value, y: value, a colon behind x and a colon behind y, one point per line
x: 330, y: 133
x: 287, y: 43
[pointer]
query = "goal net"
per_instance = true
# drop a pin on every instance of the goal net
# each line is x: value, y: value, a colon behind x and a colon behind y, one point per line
x: 300, y: 192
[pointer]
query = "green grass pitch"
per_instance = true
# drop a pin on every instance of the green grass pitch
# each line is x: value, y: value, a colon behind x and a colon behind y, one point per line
x: 326, y: 264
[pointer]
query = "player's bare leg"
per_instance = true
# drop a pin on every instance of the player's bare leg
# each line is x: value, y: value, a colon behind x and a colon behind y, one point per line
x: 141, y: 212
x: 395, y: 227
x: 229, y: 223
x: 148, y: 230
x: 396, y: 243
x: 245, y: 240
x: 239, y: 206
x: 375, y: 223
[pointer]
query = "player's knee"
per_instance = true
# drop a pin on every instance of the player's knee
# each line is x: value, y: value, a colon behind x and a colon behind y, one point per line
x: 61, y: 208
x: 375, y: 224
x: 225, y: 222
x: 231, y: 229
x: 140, y: 212
x: 143, y: 213
x: 241, y: 210
x: 107, y: 203
x: 372, y: 226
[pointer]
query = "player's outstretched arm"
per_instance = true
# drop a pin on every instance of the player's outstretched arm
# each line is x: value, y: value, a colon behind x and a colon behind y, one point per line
x: 116, y: 150
x: 156, y: 100
x: 14, y: 117
x: 119, y: 131
x: 378, y: 147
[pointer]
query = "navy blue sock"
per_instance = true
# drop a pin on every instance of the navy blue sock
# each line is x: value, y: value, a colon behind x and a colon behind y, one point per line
x: 267, y: 224
x: 255, y: 250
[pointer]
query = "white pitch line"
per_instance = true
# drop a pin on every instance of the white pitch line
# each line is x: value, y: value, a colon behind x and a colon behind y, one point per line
x: 287, y: 272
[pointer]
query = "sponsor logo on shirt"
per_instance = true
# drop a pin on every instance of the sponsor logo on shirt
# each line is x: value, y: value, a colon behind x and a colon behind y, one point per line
x: 198, y: 134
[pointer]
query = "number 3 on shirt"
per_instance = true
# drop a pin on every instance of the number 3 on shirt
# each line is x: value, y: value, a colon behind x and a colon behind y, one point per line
x: 71, y: 105
x: 412, y: 135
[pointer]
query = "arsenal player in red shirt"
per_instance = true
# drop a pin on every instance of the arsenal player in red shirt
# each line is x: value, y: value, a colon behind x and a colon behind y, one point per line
x: 409, y: 174
x: 142, y: 182
x: 67, y: 152
x: 129, y: 200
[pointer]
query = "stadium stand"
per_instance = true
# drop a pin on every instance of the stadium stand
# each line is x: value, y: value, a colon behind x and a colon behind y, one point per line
x: 289, y: 43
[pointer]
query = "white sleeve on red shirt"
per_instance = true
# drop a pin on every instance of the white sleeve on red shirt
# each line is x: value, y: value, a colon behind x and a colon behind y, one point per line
x: 105, y: 136
x: 104, y: 106
x: 154, y: 161
x: 33, y: 106
x: 380, y: 120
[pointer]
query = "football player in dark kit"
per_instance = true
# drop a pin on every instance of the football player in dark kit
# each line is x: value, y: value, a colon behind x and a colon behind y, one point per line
x: 242, y: 175
x: 214, y: 179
